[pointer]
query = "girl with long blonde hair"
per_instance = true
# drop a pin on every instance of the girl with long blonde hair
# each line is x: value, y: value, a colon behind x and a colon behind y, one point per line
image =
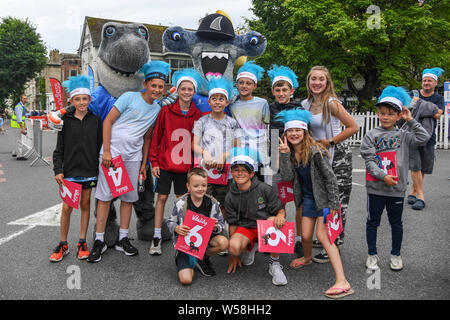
x: 306, y: 162
x: 328, y: 117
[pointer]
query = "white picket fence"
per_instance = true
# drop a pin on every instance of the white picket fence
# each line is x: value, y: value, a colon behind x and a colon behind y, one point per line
x: 368, y: 121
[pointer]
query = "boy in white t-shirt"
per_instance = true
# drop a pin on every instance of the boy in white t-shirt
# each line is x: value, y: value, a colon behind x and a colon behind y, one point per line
x: 252, y: 113
x: 127, y: 131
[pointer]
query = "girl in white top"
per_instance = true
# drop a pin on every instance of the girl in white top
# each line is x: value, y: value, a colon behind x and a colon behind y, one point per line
x: 328, y: 116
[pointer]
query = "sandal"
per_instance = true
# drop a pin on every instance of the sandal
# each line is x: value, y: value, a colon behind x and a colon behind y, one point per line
x: 411, y: 199
x: 339, y: 294
x: 296, y: 264
x: 418, y: 205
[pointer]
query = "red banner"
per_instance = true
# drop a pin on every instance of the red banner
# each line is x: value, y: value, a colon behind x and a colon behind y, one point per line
x: 57, y: 93
x: 43, y: 118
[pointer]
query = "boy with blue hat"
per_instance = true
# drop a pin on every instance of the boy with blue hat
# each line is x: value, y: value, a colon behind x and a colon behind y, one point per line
x: 252, y: 113
x: 284, y: 83
x: 422, y: 158
x: 383, y: 148
x: 127, y: 131
x: 76, y: 159
x: 247, y: 201
x: 216, y: 133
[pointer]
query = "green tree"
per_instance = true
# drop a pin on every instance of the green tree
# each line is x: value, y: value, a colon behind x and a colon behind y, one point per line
x: 23, y: 55
x: 390, y: 43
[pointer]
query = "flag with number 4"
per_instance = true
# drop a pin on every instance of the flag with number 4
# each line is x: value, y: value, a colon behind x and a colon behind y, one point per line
x: 196, y: 242
x: 117, y: 177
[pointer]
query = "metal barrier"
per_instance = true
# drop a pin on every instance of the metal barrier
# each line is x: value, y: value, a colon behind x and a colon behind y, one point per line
x: 28, y: 139
x: 33, y: 140
x: 368, y: 121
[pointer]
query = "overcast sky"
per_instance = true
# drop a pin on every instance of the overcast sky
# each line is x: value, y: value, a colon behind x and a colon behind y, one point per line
x: 60, y: 22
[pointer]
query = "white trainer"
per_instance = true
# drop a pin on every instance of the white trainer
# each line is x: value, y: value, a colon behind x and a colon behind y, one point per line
x: 396, y: 263
x: 155, y: 249
x: 372, y: 262
x: 276, y: 271
x: 248, y: 257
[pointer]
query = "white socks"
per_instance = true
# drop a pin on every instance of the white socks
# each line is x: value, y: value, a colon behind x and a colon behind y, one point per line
x: 100, y: 236
x: 157, y: 233
x: 123, y: 233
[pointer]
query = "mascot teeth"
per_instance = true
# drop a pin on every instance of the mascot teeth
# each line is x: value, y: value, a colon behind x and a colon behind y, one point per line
x: 218, y: 55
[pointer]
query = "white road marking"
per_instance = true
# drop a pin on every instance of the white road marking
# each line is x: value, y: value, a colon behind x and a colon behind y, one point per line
x: 15, y: 235
x: 359, y: 170
x: 49, y: 217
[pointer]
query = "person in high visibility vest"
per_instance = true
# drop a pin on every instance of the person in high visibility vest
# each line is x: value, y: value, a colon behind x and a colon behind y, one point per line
x: 18, y: 122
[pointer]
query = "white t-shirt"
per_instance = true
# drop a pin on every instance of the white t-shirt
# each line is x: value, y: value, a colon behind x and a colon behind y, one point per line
x: 252, y: 116
x: 127, y: 133
x: 217, y: 136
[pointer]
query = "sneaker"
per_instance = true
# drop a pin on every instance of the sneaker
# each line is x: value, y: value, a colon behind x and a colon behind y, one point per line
x: 298, y: 249
x: 97, y: 250
x: 60, y: 251
x: 205, y: 267
x: 322, y: 257
x: 372, y: 262
x: 316, y: 244
x: 248, y: 257
x: 276, y: 271
x: 83, y: 251
x: 126, y: 247
x: 396, y: 263
x: 155, y: 249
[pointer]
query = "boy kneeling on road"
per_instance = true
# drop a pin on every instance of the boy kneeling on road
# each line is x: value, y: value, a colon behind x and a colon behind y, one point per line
x: 247, y: 201
x: 199, y: 202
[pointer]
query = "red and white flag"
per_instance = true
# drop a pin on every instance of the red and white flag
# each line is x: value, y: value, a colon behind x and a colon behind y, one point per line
x: 271, y: 239
x: 117, y: 177
x: 57, y: 93
x: 70, y: 193
x: 196, y: 242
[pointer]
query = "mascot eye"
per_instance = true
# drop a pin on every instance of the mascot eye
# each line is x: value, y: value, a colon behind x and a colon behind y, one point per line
x: 254, y: 40
x: 176, y: 36
x: 142, y: 32
x: 110, y: 31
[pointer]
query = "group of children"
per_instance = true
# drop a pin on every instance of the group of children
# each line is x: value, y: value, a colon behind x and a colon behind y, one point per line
x: 177, y: 136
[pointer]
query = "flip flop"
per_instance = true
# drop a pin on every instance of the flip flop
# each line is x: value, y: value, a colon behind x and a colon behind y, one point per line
x: 340, y: 294
x: 418, y: 205
x: 411, y: 199
x: 296, y: 264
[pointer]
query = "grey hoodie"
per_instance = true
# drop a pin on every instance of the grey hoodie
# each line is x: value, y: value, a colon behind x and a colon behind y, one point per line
x: 398, y: 140
x: 259, y: 202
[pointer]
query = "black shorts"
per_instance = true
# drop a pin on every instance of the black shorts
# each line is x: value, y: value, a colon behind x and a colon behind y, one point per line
x: 164, y: 182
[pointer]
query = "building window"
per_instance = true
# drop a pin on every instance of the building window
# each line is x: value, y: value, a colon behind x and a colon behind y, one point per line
x: 73, y: 73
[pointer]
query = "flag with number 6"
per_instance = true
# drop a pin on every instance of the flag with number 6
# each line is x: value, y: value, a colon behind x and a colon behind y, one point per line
x: 271, y: 239
x: 196, y: 242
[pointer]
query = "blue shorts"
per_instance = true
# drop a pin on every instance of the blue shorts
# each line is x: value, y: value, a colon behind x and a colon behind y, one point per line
x: 185, y: 261
x: 309, y: 208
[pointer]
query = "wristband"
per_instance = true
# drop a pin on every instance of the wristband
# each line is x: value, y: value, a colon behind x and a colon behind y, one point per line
x: 332, y: 143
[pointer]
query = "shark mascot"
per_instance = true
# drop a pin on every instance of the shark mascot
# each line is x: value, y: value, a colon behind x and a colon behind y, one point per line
x: 214, y: 49
x: 123, y: 51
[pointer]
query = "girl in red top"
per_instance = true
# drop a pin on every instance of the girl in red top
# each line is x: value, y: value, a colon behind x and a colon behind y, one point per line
x: 170, y: 149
